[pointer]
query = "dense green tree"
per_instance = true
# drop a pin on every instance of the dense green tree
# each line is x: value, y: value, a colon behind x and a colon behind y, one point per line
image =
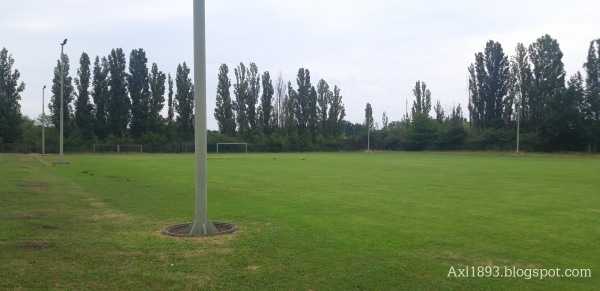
x: 477, y: 90
x: 10, y: 95
x: 453, y: 133
x: 289, y: 111
x: 313, y: 114
x: 439, y: 112
x: 303, y: 104
x: 422, y: 103
x: 488, y: 87
x: 170, y: 103
x: 139, y: 90
x: 101, y: 96
x: 521, y: 82
x: 240, y: 89
x: 421, y: 133
x: 561, y: 129
x: 592, y: 82
x: 497, y: 83
x: 84, y: 110
x: 157, y: 98
x: 384, y: 120
x: 119, y: 105
x: 337, y: 112
x: 591, y: 104
x: 266, y: 104
x: 253, y: 96
x: 184, y: 101
x: 323, y: 100
x: 224, y: 105
x: 68, y: 96
x: 548, y: 77
x: 369, y: 126
x: 280, y: 89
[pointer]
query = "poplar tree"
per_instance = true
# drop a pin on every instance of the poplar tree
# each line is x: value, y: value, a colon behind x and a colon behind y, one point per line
x: 323, y: 100
x: 224, y: 106
x: 184, y: 105
x: 139, y: 90
x: 592, y: 82
x: 68, y: 96
x: 266, y: 104
x: 548, y: 77
x: 84, y: 110
x: 10, y: 95
x: 170, y: 103
x: 100, y: 94
x: 157, y: 98
x: 252, y: 95
x: 119, y: 105
x: 422, y: 103
x: 337, y: 112
x: 240, y: 89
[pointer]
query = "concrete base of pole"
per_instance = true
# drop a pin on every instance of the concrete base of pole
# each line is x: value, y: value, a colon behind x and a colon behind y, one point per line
x: 195, y: 229
x: 199, y: 228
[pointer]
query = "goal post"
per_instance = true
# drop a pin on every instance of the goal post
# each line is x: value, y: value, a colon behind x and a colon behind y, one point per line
x: 118, y: 148
x: 239, y: 145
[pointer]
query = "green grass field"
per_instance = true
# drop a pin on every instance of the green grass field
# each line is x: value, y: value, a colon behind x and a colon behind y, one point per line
x: 315, y: 221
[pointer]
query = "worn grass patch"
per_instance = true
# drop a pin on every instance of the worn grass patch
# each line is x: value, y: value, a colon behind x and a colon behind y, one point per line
x: 375, y: 221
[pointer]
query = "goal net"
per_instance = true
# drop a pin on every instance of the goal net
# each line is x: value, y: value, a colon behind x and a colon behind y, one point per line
x: 591, y: 148
x: 117, y: 148
x: 229, y: 147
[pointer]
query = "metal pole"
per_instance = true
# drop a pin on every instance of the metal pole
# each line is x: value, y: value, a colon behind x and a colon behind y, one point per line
x: 368, y: 136
x: 62, y: 84
x: 43, y: 123
x: 518, y: 125
x: 369, y: 114
x: 201, y: 225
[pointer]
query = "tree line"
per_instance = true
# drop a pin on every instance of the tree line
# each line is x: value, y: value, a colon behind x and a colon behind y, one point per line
x: 115, y: 101
x: 282, y: 113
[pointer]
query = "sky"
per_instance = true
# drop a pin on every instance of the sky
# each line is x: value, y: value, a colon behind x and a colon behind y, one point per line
x: 374, y: 51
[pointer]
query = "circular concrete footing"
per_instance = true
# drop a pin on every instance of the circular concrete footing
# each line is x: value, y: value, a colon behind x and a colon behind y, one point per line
x: 181, y: 230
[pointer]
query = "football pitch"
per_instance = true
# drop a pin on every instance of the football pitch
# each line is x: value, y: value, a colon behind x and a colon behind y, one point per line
x: 307, y: 221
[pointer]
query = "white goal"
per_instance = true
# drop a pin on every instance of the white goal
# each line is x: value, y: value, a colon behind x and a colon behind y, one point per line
x: 232, y: 147
x: 117, y: 148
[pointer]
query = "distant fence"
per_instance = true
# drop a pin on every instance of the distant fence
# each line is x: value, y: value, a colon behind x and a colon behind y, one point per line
x: 252, y: 148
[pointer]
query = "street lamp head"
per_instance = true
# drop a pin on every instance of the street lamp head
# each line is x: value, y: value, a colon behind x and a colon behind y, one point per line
x: 44, y: 87
x: 64, y: 42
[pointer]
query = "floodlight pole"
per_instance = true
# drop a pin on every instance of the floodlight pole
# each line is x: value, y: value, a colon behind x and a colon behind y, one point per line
x: 518, y: 124
x: 201, y: 225
x: 368, y: 135
x: 43, y: 123
x: 62, y: 85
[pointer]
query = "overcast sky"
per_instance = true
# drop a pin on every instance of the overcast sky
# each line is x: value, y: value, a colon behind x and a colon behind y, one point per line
x: 374, y: 51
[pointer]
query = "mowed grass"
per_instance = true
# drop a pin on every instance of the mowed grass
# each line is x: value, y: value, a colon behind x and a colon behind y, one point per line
x: 314, y: 221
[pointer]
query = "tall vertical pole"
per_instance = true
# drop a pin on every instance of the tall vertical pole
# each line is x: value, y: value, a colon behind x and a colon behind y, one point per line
x: 519, y: 100
x: 518, y: 125
x: 62, y: 84
x: 368, y: 135
x: 201, y: 225
x: 43, y: 123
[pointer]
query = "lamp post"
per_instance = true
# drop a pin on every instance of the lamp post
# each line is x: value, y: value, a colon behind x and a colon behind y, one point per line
x: 43, y: 123
x: 518, y: 123
x: 368, y: 136
x: 62, y: 84
x: 201, y: 224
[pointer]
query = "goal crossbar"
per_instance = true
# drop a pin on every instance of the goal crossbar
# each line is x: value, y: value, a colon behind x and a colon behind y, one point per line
x: 233, y: 143
x: 118, y: 146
